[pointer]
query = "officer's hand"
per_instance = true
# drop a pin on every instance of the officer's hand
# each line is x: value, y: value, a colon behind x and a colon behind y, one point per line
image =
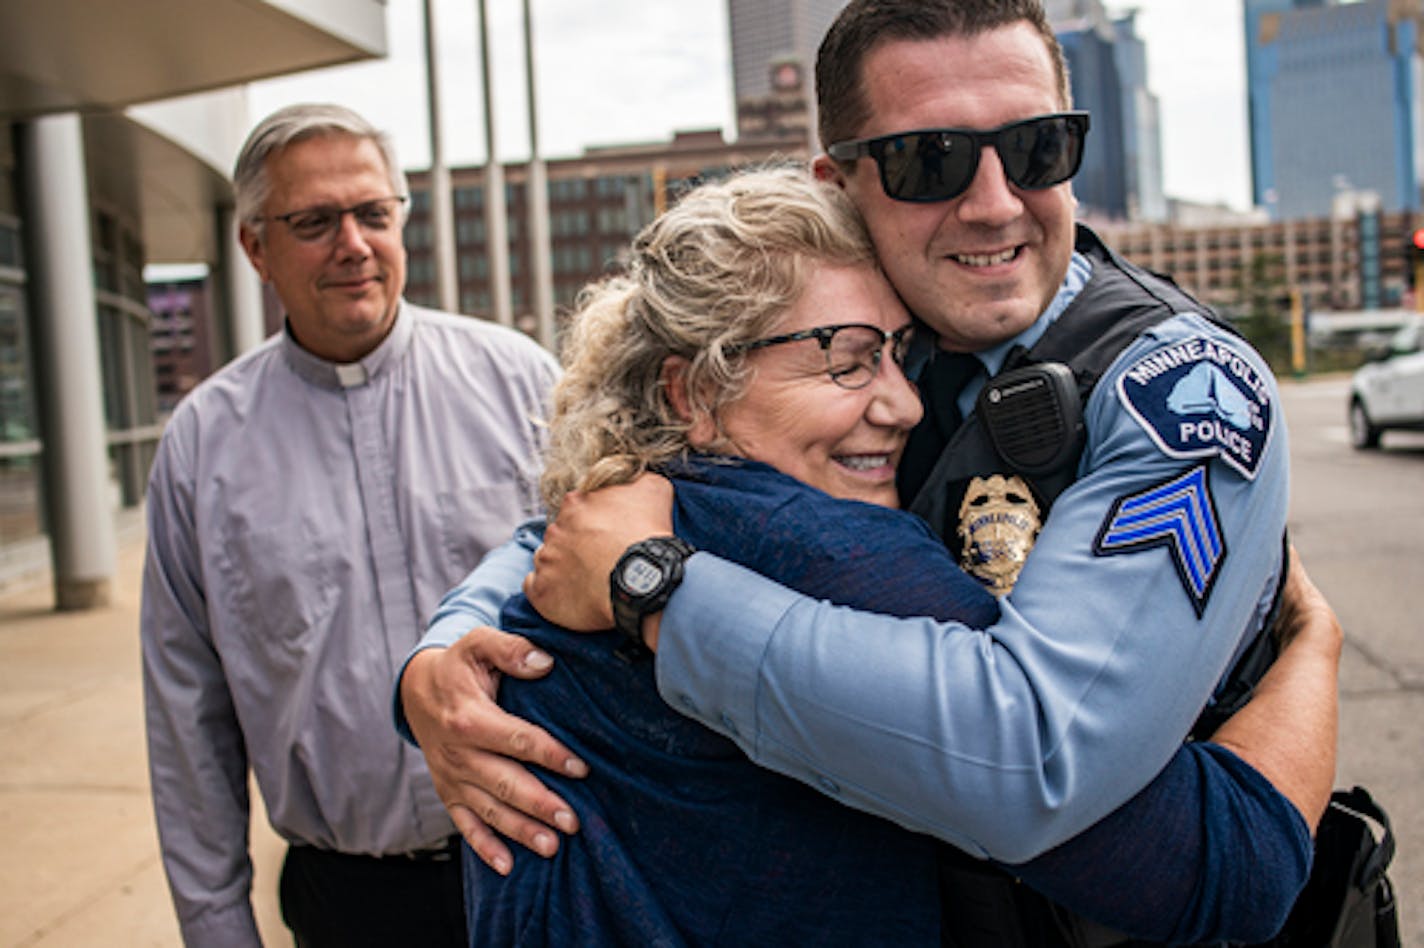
x: 471, y: 745
x: 1305, y: 610
x: 1288, y: 730
x: 569, y: 585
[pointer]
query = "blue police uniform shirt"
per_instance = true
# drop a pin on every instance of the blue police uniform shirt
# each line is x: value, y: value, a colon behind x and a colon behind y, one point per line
x: 1058, y: 712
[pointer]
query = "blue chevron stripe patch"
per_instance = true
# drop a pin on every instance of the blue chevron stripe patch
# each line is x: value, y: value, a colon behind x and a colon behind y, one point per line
x: 1179, y: 514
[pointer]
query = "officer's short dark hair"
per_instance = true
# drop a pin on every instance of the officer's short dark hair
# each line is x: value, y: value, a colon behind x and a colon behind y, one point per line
x: 865, y: 24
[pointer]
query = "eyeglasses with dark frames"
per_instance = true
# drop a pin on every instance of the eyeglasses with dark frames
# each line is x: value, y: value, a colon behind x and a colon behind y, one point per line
x: 938, y: 164
x: 315, y: 224
x: 852, y: 350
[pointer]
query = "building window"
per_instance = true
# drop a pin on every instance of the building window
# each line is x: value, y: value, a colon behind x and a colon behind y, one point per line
x: 10, y: 251
x: 612, y: 220
x: 470, y: 230
x: 473, y: 266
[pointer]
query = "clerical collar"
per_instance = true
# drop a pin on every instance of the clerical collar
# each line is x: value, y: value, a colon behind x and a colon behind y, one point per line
x: 343, y: 375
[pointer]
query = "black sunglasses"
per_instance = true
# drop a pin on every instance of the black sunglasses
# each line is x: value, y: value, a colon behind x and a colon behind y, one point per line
x: 937, y: 164
x: 852, y: 350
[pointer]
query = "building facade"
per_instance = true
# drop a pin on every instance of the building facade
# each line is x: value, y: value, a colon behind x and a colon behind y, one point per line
x: 1141, y: 126
x: 597, y: 202
x: 1334, y: 102
x: 1121, y: 177
x: 180, y: 329
x: 1090, y: 49
x: 1353, y: 261
x: 768, y: 36
x: 118, y: 124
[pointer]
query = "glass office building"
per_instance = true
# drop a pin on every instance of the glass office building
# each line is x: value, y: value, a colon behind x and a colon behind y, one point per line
x: 1335, y: 103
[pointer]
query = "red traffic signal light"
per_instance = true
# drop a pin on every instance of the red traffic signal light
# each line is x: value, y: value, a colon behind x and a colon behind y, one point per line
x: 1419, y: 239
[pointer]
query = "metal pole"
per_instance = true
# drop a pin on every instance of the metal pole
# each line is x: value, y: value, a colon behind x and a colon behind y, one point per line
x: 442, y: 214
x: 1297, y: 321
x: 496, y: 221
x: 541, y: 269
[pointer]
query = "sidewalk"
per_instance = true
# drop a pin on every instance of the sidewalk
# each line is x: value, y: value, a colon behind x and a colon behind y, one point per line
x: 79, y: 861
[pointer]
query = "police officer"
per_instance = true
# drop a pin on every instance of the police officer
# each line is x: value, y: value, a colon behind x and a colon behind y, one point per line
x: 1151, y: 578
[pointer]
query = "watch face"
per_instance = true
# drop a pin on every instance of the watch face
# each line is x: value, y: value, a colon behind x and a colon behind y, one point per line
x: 641, y: 575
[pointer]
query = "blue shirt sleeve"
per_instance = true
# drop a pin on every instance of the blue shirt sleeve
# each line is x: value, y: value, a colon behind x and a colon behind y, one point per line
x: 1209, y: 851
x: 1057, y: 713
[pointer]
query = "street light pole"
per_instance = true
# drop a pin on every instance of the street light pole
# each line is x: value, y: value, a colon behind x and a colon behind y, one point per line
x: 537, y: 187
x: 496, y: 223
x: 442, y: 214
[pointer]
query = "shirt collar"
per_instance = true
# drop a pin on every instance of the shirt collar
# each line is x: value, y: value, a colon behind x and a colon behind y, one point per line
x: 341, y: 375
x: 1080, y: 269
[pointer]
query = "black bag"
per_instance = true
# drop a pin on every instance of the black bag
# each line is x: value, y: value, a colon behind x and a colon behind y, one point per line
x: 1348, y: 901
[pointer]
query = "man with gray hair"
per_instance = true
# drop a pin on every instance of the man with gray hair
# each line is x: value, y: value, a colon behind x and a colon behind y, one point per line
x: 308, y: 506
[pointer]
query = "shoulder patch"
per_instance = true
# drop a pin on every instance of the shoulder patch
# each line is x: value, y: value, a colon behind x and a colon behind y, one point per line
x: 1200, y: 398
x: 1180, y: 515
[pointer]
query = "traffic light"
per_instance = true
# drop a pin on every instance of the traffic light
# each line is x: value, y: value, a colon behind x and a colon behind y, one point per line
x: 1416, y: 266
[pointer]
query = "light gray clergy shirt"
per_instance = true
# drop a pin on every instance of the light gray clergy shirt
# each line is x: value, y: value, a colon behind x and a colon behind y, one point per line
x: 304, y: 520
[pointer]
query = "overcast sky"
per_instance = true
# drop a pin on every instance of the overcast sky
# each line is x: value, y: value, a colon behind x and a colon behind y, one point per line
x: 620, y: 71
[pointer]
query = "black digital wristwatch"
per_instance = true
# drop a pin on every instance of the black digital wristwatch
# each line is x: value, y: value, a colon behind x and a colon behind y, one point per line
x: 641, y: 583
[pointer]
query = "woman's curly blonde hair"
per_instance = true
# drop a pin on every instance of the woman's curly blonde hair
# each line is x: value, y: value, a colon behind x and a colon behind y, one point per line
x: 716, y: 271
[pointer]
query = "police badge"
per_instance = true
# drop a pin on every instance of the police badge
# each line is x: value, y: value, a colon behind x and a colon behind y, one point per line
x: 998, y: 522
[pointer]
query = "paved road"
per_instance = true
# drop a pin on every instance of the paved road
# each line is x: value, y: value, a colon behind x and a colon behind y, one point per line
x: 1358, y: 520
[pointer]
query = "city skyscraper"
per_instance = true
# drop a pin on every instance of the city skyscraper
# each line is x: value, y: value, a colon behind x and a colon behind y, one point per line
x: 1334, y: 102
x: 769, y: 37
x: 1121, y: 175
x: 1088, y: 41
x: 1141, y: 124
x: 765, y: 32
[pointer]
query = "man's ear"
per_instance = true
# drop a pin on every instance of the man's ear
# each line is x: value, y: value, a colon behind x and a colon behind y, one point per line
x: 702, y: 431
x: 252, y: 246
x: 827, y: 169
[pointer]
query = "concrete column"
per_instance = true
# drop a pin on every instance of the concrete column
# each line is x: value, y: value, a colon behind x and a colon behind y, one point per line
x: 541, y: 266
x: 541, y: 253
x: 496, y: 219
x: 242, y: 288
x: 442, y: 212
x: 76, y: 463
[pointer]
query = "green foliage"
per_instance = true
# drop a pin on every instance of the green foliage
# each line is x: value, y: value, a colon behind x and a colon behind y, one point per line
x: 1263, y: 309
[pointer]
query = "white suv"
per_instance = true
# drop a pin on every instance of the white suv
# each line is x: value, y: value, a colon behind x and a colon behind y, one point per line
x: 1388, y: 392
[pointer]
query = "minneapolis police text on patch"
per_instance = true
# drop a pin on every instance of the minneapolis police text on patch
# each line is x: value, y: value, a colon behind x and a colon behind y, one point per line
x: 1201, y: 398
